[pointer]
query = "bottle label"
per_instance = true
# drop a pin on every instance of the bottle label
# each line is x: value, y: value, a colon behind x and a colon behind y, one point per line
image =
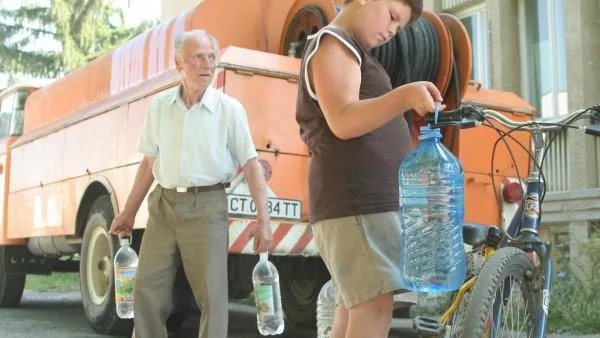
x: 265, y: 304
x: 124, y: 280
x: 326, y: 332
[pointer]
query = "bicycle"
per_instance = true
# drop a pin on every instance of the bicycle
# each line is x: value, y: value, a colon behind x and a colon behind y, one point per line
x: 515, y: 261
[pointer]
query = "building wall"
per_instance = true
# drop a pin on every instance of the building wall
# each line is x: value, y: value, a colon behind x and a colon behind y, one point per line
x: 566, y: 64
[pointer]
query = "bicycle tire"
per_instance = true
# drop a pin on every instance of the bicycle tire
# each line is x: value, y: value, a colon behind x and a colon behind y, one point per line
x: 508, y: 262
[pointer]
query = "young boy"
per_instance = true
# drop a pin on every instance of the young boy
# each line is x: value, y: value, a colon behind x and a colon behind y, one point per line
x: 352, y: 122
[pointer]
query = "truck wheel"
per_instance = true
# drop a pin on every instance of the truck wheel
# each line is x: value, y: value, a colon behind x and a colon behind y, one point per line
x: 11, y: 286
x: 175, y: 322
x: 96, y: 271
x: 299, y: 293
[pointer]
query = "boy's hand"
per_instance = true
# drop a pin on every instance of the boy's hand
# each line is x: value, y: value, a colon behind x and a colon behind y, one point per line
x: 422, y: 96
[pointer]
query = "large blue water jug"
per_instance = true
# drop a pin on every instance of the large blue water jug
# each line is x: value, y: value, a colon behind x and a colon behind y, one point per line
x: 432, y: 215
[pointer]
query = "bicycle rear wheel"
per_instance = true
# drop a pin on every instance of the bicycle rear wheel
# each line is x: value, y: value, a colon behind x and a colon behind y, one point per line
x: 503, y: 302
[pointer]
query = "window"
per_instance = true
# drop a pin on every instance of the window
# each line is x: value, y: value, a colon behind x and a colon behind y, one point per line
x: 7, y: 106
x: 475, y: 21
x: 11, y: 114
x: 544, y: 67
x: 16, y: 123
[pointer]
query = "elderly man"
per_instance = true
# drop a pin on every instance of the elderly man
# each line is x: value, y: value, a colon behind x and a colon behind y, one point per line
x: 192, y: 140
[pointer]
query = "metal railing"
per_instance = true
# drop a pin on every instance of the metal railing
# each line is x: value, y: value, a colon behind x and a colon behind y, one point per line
x: 556, y: 165
x: 598, y: 161
x: 452, y: 4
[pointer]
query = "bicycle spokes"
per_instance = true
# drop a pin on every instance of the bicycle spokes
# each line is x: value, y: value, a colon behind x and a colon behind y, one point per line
x: 513, y: 312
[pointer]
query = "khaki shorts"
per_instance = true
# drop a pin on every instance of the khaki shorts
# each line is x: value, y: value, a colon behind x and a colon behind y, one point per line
x: 362, y: 254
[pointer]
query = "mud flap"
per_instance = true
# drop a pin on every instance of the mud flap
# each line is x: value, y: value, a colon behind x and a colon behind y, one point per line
x: 18, y: 260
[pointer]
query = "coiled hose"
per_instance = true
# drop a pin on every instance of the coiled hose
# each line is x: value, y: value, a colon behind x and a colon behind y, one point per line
x: 414, y: 54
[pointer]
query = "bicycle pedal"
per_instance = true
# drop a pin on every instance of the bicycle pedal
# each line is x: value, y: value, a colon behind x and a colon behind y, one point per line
x: 428, y: 327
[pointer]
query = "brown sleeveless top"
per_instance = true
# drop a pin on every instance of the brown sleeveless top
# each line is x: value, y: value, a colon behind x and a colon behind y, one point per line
x: 356, y: 176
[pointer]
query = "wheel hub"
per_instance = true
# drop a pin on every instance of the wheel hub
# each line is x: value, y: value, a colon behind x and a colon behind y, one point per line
x: 100, y: 266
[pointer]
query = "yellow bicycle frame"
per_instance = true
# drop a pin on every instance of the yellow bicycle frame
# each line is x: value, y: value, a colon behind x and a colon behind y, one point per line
x: 489, y: 251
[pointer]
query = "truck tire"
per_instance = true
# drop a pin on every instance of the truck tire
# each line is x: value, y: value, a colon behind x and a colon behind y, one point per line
x: 96, y: 271
x: 175, y: 322
x: 299, y: 292
x: 11, y: 286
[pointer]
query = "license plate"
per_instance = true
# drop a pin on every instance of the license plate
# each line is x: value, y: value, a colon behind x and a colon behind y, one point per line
x: 243, y: 205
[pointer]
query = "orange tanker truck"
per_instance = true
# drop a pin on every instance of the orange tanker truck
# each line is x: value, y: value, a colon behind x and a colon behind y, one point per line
x: 68, y: 156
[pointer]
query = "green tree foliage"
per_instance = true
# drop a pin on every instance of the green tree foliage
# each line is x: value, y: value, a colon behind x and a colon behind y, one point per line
x: 574, y: 306
x: 78, y: 30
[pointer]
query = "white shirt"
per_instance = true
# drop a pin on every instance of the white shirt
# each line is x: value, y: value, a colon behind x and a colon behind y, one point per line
x: 203, y: 145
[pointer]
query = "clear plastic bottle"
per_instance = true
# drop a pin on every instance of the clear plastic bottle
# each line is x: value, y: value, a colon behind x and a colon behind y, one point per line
x: 269, y: 314
x: 432, y: 215
x: 125, y: 267
x: 326, y: 310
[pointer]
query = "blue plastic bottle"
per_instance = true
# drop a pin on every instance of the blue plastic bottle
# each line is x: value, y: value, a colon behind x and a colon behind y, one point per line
x: 432, y: 215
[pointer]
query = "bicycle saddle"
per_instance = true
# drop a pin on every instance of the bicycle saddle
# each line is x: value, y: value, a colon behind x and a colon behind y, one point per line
x: 475, y: 234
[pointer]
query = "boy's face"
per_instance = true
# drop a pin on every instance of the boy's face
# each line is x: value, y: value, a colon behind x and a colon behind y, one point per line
x: 379, y: 20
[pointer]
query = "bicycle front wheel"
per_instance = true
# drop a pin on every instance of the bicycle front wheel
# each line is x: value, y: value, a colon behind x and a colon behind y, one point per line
x: 503, y: 302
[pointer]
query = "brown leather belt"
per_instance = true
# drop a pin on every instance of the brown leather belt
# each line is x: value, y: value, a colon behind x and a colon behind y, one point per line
x: 204, y: 188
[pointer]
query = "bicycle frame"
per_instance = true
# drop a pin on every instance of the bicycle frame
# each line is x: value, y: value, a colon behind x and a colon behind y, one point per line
x: 524, y: 228
x: 525, y: 224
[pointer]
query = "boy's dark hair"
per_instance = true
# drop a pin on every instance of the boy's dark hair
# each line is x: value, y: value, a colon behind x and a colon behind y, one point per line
x: 416, y: 7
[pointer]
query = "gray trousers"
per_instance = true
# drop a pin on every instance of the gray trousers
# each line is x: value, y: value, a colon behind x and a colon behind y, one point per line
x: 189, y: 229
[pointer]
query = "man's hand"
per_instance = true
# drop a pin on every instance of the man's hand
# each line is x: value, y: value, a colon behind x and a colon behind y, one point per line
x: 122, y: 225
x: 263, y: 237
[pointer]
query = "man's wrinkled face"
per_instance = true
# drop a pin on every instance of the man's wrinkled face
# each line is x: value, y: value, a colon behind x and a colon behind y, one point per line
x: 197, y: 62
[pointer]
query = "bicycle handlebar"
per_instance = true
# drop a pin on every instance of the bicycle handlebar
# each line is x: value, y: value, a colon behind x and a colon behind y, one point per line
x: 470, y: 116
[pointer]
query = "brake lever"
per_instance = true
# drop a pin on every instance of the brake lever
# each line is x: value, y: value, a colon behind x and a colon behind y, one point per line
x: 465, y: 117
x: 473, y: 113
x: 448, y: 116
x: 593, y: 129
x: 595, y: 118
x: 462, y: 124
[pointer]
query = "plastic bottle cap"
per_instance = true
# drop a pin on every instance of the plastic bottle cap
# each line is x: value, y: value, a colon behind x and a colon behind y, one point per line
x: 264, y: 256
x: 427, y: 132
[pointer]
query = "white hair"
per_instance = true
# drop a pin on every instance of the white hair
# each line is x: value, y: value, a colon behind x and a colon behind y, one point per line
x: 181, y: 37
